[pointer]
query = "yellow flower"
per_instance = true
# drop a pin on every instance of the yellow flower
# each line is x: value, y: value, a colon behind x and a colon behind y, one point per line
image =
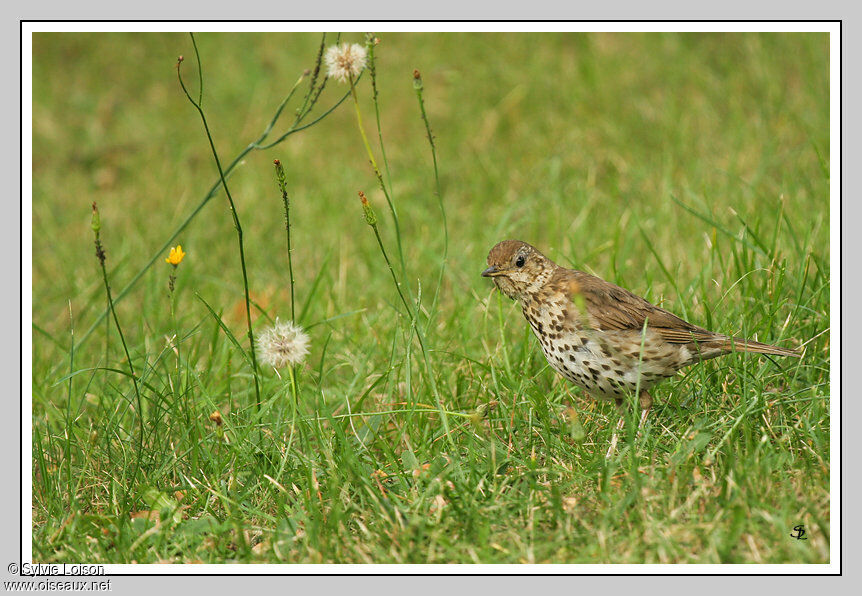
x: 176, y: 256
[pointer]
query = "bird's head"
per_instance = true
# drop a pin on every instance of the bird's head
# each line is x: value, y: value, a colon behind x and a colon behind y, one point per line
x: 518, y: 269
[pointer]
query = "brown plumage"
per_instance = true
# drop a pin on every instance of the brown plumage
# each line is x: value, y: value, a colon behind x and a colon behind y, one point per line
x: 601, y: 336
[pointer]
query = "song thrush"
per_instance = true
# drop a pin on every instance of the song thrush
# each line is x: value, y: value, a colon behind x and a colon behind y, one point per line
x: 600, y: 336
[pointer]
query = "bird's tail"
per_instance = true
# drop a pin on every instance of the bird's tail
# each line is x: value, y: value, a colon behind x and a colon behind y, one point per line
x: 738, y: 344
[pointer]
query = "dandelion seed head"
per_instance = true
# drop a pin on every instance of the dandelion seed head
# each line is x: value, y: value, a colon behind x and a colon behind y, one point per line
x: 345, y: 61
x: 283, y: 344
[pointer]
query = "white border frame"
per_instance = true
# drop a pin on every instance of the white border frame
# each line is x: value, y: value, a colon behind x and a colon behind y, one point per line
x: 835, y: 91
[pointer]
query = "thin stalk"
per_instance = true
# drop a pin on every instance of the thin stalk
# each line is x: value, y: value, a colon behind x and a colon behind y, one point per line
x: 67, y: 452
x: 173, y: 298
x: 279, y: 110
x: 290, y: 437
x: 314, y: 75
x: 372, y: 70
x: 100, y: 253
x: 377, y: 174
x: 371, y: 219
x: 417, y: 85
x: 282, y: 186
x: 633, y: 412
x: 236, y: 223
x: 254, y: 145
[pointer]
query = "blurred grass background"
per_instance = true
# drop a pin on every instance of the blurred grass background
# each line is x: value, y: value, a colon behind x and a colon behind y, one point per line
x: 577, y: 143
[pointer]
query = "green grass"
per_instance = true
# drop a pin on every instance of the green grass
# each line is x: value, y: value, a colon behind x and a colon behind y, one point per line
x: 691, y: 169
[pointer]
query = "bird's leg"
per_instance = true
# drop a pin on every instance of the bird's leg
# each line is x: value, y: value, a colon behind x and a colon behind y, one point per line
x: 645, y: 401
x: 646, y: 404
x: 619, y: 427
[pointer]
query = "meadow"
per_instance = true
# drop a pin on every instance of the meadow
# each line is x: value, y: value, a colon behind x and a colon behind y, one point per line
x: 424, y: 426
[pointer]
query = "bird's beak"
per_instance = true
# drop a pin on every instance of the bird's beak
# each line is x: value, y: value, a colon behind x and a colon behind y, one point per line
x: 491, y: 271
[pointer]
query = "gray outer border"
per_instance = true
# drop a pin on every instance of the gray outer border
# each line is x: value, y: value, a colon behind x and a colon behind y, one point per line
x: 10, y: 238
x: 442, y: 9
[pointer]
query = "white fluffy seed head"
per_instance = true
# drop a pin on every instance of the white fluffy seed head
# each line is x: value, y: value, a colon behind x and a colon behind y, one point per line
x: 283, y: 344
x: 345, y: 61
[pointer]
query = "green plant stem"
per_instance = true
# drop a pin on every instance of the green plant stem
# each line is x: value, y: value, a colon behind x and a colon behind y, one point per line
x: 293, y: 418
x: 314, y: 75
x: 418, y: 86
x: 293, y: 385
x: 419, y: 336
x: 67, y: 451
x: 372, y: 69
x: 254, y: 145
x: 100, y: 253
x: 176, y: 329
x: 378, y: 175
x: 282, y: 186
x: 236, y: 224
x: 290, y: 265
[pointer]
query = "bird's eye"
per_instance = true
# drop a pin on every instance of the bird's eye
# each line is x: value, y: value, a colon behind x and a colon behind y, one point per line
x: 520, y: 261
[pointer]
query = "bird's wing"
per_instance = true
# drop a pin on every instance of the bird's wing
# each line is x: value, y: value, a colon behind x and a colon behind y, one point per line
x: 611, y: 307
